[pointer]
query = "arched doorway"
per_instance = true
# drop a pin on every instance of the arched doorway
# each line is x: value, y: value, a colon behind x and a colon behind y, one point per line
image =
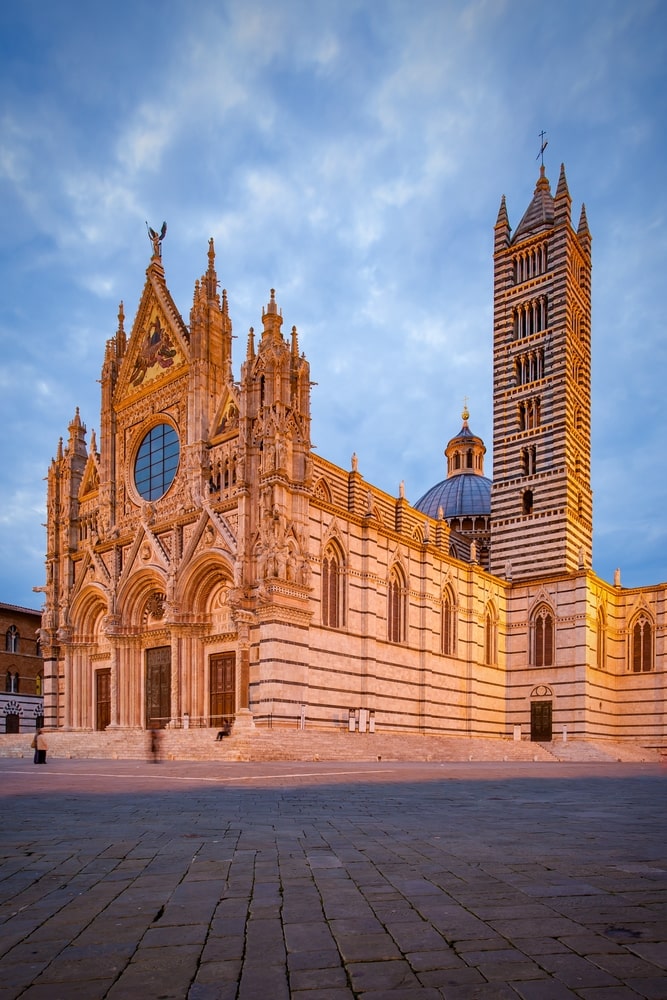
x: 12, y: 722
x: 541, y: 714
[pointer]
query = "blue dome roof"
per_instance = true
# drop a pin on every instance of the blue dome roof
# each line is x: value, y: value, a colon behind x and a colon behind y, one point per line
x: 465, y: 495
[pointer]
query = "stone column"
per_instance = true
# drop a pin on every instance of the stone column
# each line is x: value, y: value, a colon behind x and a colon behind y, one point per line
x: 111, y: 626
x: 244, y: 719
x: 176, y: 679
x: 64, y: 637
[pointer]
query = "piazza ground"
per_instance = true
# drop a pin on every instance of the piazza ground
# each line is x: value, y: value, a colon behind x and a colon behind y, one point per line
x: 464, y: 881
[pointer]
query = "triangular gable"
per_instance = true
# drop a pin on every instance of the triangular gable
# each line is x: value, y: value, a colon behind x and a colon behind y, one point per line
x: 226, y: 420
x: 90, y: 483
x: 145, y: 552
x: 542, y: 597
x: 158, y: 347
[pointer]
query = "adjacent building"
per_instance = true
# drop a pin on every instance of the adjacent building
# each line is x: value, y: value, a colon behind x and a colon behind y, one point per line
x: 21, y: 670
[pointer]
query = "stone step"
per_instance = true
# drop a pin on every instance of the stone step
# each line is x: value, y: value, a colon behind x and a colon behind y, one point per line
x: 289, y: 744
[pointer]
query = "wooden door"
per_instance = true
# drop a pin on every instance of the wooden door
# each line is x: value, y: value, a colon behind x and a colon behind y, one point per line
x: 158, y: 687
x: 222, y: 700
x: 540, y: 721
x: 102, y: 698
x: 12, y: 723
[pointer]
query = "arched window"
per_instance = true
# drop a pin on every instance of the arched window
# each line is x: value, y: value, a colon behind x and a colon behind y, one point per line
x: 396, y: 598
x: 543, y: 637
x: 448, y: 624
x: 601, y: 651
x: 490, y: 636
x: 641, y: 644
x: 333, y: 593
x: 12, y: 639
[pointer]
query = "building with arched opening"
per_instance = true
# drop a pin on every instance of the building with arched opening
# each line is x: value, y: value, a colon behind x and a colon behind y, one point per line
x: 205, y: 565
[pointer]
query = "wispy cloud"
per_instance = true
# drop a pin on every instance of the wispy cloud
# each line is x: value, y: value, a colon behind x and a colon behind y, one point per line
x: 352, y: 156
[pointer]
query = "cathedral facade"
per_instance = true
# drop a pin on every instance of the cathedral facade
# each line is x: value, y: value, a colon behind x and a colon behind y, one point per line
x: 206, y: 568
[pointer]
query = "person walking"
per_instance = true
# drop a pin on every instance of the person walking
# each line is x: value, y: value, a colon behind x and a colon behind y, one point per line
x: 40, y: 746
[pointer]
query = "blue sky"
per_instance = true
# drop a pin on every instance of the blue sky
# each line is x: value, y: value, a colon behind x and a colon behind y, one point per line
x: 352, y: 155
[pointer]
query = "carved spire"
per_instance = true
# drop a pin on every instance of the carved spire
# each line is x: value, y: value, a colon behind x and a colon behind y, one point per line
x: 562, y: 190
x: 121, y: 336
x: 211, y: 276
x: 583, y: 232
x: 271, y: 318
x: 502, y: 227
x: 562, y: 200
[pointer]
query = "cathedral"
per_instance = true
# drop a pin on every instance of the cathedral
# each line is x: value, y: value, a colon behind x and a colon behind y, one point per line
x: 205, y: 567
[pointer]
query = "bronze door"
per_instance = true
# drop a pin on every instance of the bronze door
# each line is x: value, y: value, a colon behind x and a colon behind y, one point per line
x: 158, y: 687
x: 102, y: 698
x: 540, y: 722
x: 222, y: 701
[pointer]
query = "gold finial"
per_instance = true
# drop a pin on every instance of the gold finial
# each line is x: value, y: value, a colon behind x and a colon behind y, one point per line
x: 465, y: 415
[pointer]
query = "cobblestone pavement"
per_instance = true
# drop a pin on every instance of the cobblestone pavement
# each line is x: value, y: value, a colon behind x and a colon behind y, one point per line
x: 322, y: 881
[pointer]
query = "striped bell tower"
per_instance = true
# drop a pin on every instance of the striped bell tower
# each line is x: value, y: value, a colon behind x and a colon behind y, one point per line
x: 541, y: 499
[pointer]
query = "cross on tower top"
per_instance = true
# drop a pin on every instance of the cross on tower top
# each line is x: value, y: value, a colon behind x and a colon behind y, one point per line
x: 544, y: 144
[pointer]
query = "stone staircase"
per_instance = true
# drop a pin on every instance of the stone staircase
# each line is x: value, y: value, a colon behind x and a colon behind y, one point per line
x: 250, y: 744
x: 601, y: 751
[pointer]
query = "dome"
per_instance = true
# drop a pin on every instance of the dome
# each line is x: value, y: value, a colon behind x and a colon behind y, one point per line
x: 459, y: 496
x: 466, y: 492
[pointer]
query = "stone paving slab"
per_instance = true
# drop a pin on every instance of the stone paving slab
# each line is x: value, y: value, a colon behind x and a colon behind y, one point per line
x: 327, y: 881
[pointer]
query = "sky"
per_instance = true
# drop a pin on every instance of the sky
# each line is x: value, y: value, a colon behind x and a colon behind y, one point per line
x: 351, y: 154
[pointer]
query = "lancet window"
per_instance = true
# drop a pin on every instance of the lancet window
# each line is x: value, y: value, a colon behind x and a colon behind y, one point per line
x: 396, y: 606
x: 641, y: 644
x: 448, y: 624
x: 333, y: 588
x: 543, y: 637
x: 490, y: 636
x: 601, y: 651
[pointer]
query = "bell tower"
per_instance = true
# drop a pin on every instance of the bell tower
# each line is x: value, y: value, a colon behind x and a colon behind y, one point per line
x: 541, y: 499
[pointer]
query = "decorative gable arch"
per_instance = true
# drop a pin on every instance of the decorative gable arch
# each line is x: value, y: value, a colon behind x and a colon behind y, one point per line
x: 322, y: 491
x: 200, y: 585
x: 87, y: 613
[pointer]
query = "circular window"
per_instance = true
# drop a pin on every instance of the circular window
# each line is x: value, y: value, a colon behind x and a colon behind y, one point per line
x: 156, y: 462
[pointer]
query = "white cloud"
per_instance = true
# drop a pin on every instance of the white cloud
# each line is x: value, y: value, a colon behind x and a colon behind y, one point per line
x: 352, y: 156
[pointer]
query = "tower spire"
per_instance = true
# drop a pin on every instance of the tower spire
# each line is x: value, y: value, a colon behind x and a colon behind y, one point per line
x: 541, y: 499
